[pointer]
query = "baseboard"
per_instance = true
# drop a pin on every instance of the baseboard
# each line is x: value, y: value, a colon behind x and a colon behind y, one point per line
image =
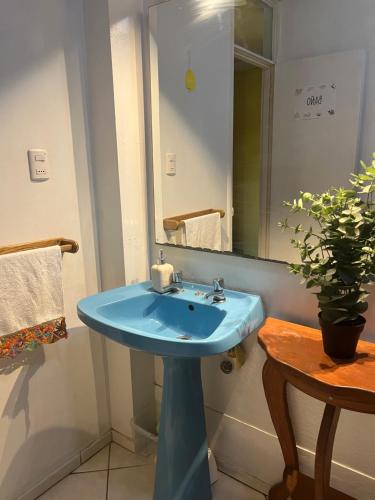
x: 64, y: 469
x: 96, y: 446
x: 51, y: 479
x: 124, y: 441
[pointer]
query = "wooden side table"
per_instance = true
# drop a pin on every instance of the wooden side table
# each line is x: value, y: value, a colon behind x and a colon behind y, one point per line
x: 295, y: 355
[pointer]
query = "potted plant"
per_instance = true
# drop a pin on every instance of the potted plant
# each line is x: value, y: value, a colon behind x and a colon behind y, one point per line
x: 338, y: 256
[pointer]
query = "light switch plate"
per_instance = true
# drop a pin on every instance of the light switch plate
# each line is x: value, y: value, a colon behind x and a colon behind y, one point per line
x: 38, y: 164
x: 171, y: 164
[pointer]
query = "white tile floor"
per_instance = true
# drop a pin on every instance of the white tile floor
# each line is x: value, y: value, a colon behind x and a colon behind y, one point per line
x: 117, y: 474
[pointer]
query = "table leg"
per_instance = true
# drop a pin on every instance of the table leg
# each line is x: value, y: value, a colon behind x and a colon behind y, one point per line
x: 324, y: 448
x: 275, y: 391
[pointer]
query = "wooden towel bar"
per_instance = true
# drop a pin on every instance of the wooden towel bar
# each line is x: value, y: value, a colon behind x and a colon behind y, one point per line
x: 174, y: 223
x: 69, y: 246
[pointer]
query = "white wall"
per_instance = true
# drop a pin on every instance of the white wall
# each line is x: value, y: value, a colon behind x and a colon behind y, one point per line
x: 104, y: 159
x: 332, y: 29
x: 54, y: 403
x: 305, y: 156
x: 117, y: 149
x: 239, y: 425
x: 196, y: 126
x: 345, y: 25
x: 125, y: 23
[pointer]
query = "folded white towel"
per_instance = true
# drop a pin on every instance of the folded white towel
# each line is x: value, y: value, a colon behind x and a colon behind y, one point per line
x: 31, y: 290
x: 203, y: 232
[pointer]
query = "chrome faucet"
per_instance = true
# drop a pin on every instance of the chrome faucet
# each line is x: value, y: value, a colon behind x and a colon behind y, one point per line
x: 176, y: 285
x: 218, y: 291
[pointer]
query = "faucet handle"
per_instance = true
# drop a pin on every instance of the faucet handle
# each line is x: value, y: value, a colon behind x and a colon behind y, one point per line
x: 177, y: 277
x: 218, y: 284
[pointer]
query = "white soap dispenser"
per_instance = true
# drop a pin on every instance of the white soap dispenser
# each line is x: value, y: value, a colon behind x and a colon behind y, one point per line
x: 161, y: 274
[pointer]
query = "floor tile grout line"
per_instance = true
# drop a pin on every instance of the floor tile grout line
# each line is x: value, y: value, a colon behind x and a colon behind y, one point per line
x: 75, y: 473
x: 88, y: 472
x: 131, y: 467
x: 225, y: 473
x: 108, y: 465
x: 110, y: 468
x: 245, y: 484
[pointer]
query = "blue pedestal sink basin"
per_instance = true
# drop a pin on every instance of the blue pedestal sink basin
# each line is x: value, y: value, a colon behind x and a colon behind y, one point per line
x: 182, y: 328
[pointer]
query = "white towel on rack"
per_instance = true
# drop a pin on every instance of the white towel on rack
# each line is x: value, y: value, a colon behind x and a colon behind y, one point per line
x: 31, y: 291
x: 203, y: 232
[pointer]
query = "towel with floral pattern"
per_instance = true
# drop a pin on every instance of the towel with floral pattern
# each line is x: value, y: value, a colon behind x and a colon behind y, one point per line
x: 28, y: 339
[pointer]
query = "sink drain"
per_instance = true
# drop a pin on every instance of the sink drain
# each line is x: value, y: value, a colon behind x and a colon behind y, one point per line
x: 184, y: 337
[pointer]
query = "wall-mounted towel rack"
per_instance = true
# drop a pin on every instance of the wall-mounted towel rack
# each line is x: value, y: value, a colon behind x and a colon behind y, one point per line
x: 69, y: 246
x: 174, y: 223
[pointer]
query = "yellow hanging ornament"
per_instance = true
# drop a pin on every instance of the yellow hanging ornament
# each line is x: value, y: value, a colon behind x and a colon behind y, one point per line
x: 190, y: 80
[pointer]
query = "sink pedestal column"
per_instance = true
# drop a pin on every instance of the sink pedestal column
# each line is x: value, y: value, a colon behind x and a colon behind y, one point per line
x: 182, y: 463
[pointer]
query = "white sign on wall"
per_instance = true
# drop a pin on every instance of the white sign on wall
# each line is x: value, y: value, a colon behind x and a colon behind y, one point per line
x: 315, y: 101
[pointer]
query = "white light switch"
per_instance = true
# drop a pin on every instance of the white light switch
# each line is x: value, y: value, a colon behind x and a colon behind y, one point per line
x: 38, y: 164
x: 171, y: 164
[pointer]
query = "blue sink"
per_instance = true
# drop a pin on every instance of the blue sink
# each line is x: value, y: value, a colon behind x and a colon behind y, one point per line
x: 182, y: 328
x: 184, y: 324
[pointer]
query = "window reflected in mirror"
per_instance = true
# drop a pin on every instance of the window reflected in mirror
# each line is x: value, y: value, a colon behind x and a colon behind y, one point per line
x: 253, y: 26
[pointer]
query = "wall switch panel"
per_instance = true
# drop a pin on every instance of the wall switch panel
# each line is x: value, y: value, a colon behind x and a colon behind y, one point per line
x: 38, y: 164
x: 171, y: 164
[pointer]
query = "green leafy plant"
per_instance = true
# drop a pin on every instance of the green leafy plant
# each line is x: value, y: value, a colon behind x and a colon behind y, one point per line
x: 339, y: 256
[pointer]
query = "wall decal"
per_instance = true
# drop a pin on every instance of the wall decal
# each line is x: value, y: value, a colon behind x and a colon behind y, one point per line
x: 315, y: 101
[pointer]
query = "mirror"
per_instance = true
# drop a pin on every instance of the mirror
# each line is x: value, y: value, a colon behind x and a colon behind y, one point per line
x: 252, y: 102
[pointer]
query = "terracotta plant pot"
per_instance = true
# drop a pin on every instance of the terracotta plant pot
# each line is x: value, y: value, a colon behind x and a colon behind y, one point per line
x: 340, y: 341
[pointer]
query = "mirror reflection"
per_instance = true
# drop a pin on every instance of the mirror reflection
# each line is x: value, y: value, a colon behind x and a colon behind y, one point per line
x: 252, y: 102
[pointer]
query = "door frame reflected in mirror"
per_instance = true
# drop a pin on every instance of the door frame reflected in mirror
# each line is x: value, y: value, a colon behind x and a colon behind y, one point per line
x: 268, y: 71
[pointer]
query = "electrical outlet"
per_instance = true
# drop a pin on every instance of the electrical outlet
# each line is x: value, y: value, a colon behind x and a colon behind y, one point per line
x: 38, y: 165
